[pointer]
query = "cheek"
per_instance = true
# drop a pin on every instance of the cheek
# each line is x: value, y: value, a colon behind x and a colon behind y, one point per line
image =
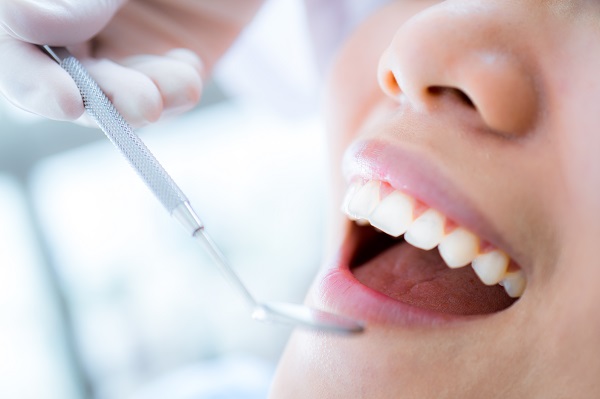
x: 572, y: 312
x: 577, y: 139
x: 571, y: 326
x: 574, y: 118
x: 581, y: 164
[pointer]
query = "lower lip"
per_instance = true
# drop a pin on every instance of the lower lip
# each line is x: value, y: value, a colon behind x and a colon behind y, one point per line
x: 340, y: 292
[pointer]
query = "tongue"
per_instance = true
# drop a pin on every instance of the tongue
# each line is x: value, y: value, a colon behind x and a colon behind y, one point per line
x: 422, y: 279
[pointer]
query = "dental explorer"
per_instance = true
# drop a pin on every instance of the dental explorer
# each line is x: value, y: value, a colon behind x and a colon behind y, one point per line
x: 120, y: 133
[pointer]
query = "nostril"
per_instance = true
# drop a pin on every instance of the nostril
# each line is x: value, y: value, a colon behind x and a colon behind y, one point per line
x: 391, y: 84
x: 461, y: 96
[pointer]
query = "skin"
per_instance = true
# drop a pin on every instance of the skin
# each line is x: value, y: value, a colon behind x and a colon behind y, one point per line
x: 524, y: 153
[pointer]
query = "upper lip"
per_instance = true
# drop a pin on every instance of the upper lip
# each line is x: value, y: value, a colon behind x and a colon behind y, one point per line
x: 414, y: 174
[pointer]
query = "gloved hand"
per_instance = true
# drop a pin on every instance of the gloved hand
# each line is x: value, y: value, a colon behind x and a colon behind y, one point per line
x: 149, y: 56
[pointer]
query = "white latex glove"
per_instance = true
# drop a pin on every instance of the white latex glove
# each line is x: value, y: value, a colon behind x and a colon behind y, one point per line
x: 134, y: 49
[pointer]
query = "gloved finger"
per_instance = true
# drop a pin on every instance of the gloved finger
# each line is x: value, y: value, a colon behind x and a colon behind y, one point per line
x: 177, y: 75
x: 133, y: 93
x: 56, y: 22
x: 189, y: 57
x: 32, y: 81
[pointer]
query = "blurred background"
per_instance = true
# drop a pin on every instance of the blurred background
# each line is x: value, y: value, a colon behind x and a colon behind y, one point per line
x: 102, y: 295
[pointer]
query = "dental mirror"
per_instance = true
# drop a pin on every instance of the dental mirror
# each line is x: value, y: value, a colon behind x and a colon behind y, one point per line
x: 279, y: 312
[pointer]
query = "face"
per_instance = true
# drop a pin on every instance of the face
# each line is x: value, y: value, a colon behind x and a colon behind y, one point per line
x: 470, y: 129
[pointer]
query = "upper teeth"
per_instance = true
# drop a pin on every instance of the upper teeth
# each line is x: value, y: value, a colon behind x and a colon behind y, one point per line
x: 395, y: 214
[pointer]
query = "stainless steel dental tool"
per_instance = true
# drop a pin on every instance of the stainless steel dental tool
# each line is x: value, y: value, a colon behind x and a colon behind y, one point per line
x: 100, y: 108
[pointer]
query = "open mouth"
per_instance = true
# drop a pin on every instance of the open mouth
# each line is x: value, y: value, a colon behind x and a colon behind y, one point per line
x: 414, y: 254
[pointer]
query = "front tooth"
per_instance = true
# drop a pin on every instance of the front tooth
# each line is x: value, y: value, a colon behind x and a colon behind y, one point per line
x: 427, y: 230
x: 394, y: 214
x: 459, y: 248
x: 364, y: 201
x: 491, y: 266
x: 514, y: 283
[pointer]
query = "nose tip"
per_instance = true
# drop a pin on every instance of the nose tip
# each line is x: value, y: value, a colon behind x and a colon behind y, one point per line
x: 464, y: 61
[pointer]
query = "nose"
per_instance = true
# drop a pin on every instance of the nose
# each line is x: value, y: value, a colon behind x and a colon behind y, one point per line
x: 466, y: 58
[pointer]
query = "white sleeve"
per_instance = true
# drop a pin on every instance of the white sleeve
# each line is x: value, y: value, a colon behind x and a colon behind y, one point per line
x: 280, y: 57
x: 330, y: 22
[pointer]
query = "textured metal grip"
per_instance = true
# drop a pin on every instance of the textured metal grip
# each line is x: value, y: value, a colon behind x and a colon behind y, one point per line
x: 123, y: 137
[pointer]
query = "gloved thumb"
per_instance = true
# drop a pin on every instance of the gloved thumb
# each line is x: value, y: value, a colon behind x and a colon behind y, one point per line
x: 56, y: 22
